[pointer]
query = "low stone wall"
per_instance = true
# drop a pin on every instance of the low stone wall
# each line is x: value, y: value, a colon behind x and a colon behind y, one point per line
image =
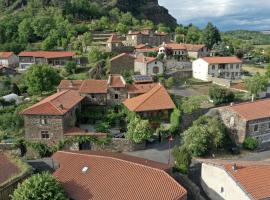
x: 119, y: 145
x: 6, y: 146
x: 193, y: 191
x: 221, y: 81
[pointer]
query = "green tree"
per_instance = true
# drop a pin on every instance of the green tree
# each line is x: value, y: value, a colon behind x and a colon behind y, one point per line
x: 41, y: 78
x: 182, y: 157
x: 70, y: 67
x: 139, y: 130
x: 163, y: 28
x: 256, y: 84
x: 25, y: 31
x: 95, y: 55
x: 193, y: 35
x: 210, y: 35
x: 121, y: 28
x: 220, y: 95
x: 175, y: 119
x: 169, y: 82
x: 40, y: 186
x: 250, y: 143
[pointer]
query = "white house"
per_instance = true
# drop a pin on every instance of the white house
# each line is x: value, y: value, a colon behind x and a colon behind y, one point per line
x: 8, y: 59
x: 219, y: 67
x: 231, y: 180
x: 148, y: 66
x: 175, y: 50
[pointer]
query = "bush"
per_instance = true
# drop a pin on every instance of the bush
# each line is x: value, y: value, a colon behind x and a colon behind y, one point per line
x: 102, y: 127
x: 40, y: 186
x: 220, y: 95
x: 250, y: 143
x: 191, y: 104
x: 41, y: 148
x: 175, y: 121
x: 169, y: 82
x: 70, y: 67
x: 182, y: 158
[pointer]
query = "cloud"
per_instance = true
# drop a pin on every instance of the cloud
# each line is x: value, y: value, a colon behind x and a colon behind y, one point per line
x: 226, y: 14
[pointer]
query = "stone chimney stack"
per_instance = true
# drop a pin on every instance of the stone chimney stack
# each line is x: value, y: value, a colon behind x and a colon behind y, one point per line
x: 234, y: 167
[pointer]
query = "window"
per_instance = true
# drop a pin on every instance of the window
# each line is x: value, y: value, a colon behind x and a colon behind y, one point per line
x: 43, y: 120
x: 221, y: 190
x: 237, y: 66
x: 256, y: 128
x: 155, y: 62
x: 213, y: 67
x: 116, y: 96
x: 155, y: 70
x: 268, y: 125
x: 45, y: 135
x: 231, y: 66
x: 92, y: 96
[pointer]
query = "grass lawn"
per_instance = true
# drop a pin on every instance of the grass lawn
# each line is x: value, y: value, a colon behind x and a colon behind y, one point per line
x: 253, y: 69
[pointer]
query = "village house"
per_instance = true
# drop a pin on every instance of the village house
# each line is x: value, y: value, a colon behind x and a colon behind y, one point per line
x: 146, y: 36
x: 196, y: 51
x: 231, y: 180
x: 114, y: 43
x: 174, y: 50
x: 137, y: 89
x: 148, y: 65
x: 122, y: 63
x: 250, y: 119
x: 54, y: 58
x: 8, y: 59
x: 52, y: 117
x: 207, y: 68
x: 155, y: 103
x: 117, y: 89
x: 114, y: 176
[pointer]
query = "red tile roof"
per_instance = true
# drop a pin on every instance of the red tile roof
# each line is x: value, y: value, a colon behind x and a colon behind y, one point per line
x: 141, y: 46
x: 143, y: 59
x: 121, y: 55
x: 94, y: 87
x: 5, y: 55
x: 70, y: 84
x: 56, y: 104
x: 174, y: 46
x: 8, y: 169
x: 252, y: 110
x: 145, y: 50
x: 116, y: 81
x: 221, y: 60
x: 253, y: 177
x: 155, y: 99
x: 194, y: 47
x: 114, y: 39
x: 114, y: 177
x: 141, y: 88
x: 47, y: 54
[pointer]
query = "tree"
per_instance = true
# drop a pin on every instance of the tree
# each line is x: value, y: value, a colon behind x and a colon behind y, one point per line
x: 163, y: 29
x: 40, y: 186
x: 169, y: 82
x: 175, y: 120
x: 121, y: 28
x: 193, y: 35
x: 221, y: 95
x: 70, y: 67
x: 182, y: 158
x: 95, y: 55
x: 138, y: 130
x: 210, y: 35
x: 250, y: 143
x: 256, y: 84
x: 41, y: 78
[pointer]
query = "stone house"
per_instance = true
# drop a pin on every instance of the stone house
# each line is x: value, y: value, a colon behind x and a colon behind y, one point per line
x: 231, y: 180
x: 137, y: 89
x: 117, y: 89
x: 8, y: 59
x: 49, y: 119
x: 54, y: 58
x: 122, y: 63
x: 174, y: 51
x: 156, y: 103
x: 196, y: 51
x: 146, y: 36
x: 251, y: 119
x: 114, y: 43
x: 148, y: 65
x: 218, y: 67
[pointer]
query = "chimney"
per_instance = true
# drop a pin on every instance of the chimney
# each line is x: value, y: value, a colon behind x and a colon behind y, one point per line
x: 61, y: 106
x: 234, y: 167
x: 71, y: 84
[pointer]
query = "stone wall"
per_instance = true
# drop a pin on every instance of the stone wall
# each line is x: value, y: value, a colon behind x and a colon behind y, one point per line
x: 95, y: 99
x: 119, y: 145
x: 122, y: 64
x: 121, y: 95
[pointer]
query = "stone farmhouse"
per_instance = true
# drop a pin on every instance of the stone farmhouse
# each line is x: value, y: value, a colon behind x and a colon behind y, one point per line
x: 148, y: 65
x: 248, y: 119
x: 55, y: 117
x: 196, y: 51
x: 222, y: 179
x: 146, y: 36
x: 114, y: 43
x: 122, y: 63
x: 54, y: 58
x: 8, y: 59
x: 206, y: 68
x: 112, y: 172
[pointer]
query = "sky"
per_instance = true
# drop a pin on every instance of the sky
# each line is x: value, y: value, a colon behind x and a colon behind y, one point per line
x: 225, y: 14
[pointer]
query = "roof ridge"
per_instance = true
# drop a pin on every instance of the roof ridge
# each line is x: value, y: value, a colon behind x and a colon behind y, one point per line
x: 155, y: 89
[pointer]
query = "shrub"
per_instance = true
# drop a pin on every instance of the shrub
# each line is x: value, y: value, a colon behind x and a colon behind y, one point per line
x: 191, y: 104
x: 220, y: 95
x: 70, y: 67
x: 102, y: 127
x: 40, y: 186
x: 169, y: 82
x: 182, y: 158
x: 250, y: 143
x: 175, y: 121
x: 41, y: 148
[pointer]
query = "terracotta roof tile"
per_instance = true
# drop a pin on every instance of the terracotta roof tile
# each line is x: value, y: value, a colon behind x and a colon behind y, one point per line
x: 253, y: 177
x: 116, y: 81
x: 141, y: 88
x: 94, y: 87
x: 252, y: 110
x: 143, y: 59
x: 109, y: 177
x: 47, y: 54
x: 155, y: 99
x: 70, y: 84
x: 8, y: 169
x: 194, y: 47
x: 114, y: 39
x: 221, y: 60
x: 56, y: 104
x: 121, y: 55
x: 174, y: 46
x: 5, y: 55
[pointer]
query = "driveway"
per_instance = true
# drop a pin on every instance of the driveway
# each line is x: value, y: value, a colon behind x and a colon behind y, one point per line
x: 158, y: 152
